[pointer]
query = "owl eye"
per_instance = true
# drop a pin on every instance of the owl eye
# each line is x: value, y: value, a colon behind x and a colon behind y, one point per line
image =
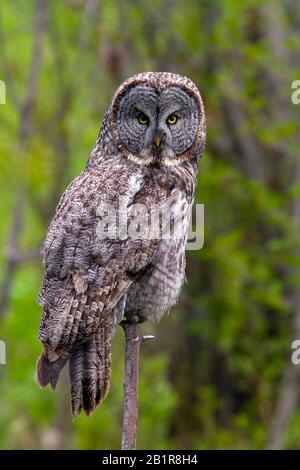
x: 142, y: 118
x: 172, y: 119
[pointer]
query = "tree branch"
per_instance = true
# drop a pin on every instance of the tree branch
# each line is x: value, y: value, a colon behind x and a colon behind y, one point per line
x: 130, y: 419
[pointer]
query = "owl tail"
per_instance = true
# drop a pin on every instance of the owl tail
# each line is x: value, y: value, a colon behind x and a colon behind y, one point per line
x: 48, y: 368
x: 90, y: 370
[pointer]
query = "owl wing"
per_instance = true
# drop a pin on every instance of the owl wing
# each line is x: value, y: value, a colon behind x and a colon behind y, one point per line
x: 86, y: 276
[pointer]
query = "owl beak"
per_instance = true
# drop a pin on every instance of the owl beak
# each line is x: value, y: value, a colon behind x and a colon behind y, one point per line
x: 157, y: 141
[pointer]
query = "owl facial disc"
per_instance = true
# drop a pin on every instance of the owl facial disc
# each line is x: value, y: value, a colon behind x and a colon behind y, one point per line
x: 158, y: 122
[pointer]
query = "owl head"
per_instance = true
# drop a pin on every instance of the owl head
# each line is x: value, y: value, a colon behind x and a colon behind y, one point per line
x: 158, y: 119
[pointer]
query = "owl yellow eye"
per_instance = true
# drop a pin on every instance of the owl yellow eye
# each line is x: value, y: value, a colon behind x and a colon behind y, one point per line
x: 142, y: 118
x: 172, y: 119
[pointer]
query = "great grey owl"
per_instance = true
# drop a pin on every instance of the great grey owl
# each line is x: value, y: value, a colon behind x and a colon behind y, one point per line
x: 147, y: 155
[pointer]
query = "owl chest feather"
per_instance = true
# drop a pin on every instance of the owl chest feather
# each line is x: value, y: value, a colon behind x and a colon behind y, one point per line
x: 152, y: 295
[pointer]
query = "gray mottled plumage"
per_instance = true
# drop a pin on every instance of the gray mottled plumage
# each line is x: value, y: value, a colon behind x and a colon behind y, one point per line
x: 90, y: 283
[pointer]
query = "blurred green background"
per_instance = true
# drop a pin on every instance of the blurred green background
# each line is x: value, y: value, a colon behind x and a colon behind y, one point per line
x: 219, y: 373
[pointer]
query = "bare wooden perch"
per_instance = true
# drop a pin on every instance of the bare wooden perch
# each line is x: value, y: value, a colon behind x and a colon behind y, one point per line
x: 130, y: 418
